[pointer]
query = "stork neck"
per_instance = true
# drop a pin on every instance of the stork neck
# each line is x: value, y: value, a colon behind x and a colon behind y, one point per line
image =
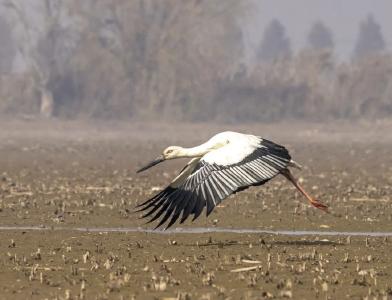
x: 195, y: 151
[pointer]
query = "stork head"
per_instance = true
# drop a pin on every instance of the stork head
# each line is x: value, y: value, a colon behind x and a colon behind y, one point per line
x: 172, y: 152
x: 169, y: 153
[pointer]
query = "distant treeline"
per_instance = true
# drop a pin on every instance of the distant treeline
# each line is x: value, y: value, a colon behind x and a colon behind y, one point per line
x: 310, y: 86
x: 184, y: 60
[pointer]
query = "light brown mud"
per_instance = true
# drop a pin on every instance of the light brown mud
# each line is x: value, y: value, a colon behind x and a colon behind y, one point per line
x: 60, y: 178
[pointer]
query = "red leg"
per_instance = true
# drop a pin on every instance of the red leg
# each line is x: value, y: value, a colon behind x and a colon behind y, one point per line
x: 286, y: 173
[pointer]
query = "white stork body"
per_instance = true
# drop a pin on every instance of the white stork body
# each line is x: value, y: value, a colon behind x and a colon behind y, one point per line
x: 227, y: 163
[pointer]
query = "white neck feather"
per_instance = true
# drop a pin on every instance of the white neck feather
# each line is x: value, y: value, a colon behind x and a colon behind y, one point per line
x: 201, y: 150
x: 194, y: 152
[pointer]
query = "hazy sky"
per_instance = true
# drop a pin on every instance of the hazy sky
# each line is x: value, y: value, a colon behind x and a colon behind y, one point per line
x: 342, y: 16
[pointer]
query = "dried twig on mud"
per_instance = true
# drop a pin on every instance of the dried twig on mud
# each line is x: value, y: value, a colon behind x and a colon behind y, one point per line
x: 248, y: 261
x: 246, y: 269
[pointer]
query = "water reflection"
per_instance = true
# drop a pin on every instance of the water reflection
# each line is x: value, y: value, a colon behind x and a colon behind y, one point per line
x: 199, y: 230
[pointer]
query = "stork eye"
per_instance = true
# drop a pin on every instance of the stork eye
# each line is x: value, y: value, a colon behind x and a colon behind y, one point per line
x: 169, y: 151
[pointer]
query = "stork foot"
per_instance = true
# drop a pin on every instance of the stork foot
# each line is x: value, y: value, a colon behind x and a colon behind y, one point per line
x: 319, y: 205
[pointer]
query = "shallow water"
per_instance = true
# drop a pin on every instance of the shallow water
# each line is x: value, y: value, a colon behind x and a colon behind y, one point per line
x: 203, y: 230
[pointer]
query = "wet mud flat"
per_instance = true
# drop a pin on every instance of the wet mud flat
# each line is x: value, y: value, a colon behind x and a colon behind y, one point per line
x: 70, y: 176
x: 112, y: 265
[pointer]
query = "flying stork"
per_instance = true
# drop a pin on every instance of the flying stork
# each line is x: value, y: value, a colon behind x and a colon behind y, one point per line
x: 228, y: 163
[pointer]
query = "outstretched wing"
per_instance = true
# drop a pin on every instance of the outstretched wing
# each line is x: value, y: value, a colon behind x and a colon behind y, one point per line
x: 204, y: 183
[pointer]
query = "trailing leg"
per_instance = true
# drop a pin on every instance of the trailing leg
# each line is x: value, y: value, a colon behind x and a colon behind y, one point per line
x: 286, y: 173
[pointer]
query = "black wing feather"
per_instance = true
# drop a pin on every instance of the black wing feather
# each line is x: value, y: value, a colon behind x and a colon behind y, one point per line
x: 178, y: 210
x: 195, y: 199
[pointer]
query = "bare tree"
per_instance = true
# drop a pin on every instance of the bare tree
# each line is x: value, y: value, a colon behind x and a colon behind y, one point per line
x: 40, y: 46
x: 7, y: 46
x: 169, y: 56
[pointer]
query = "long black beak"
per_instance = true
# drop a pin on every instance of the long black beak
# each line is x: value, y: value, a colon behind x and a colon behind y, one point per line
x: 156, y: 161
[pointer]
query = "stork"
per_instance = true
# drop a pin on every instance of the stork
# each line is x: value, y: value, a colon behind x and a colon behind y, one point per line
x: 227, y: 163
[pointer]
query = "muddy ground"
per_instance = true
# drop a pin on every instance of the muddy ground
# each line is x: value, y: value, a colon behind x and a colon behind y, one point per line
x: 59, y: 176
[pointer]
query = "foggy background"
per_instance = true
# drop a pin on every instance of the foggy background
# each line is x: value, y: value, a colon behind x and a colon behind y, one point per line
x: 196, y: 60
